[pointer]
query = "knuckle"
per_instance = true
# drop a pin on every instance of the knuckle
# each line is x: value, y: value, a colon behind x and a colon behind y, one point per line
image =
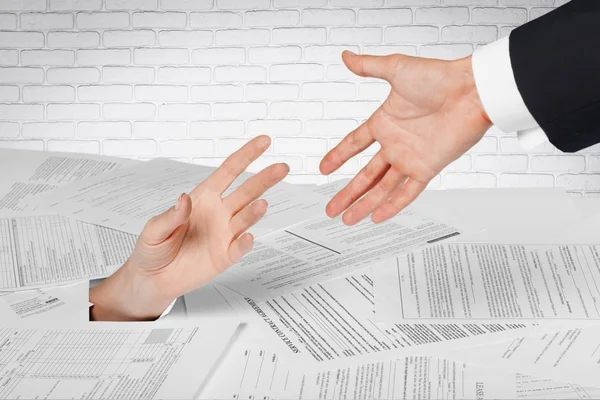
x: 385, y: 186
x: 247, y: 215
x: 347, y: 196
x: 151, y: 223
x: 245, y: 189
x: 400, y: 201
x: 228, y: 167
x: 370, y: 170
x: 361, y: 65
x: 354, y: 138
x: 336, y: 157
x: 357, y: 184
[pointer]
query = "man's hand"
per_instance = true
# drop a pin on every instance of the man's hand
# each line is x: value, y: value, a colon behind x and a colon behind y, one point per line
x: 191, y: 243
x: 431, y: 117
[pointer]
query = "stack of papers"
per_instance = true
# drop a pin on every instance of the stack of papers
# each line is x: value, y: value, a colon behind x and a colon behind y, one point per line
x: 474, y: 294
x: 110, y: 360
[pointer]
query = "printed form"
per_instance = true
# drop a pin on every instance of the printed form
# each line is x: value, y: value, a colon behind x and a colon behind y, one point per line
x: 529, y: 387
x: 111, y: 360
x: 60, y: 305
x: 52, y: 250
x: 25, y: 174
x: 259, y: 374
x: 331, y: 324
x: 324, y: 248
x: 126, y: 199
x: 476, y: 281
x: 570, y: 355
x: 251, y: 372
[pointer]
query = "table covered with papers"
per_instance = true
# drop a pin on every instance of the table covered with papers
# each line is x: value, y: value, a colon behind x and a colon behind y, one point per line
x: 474, y: 294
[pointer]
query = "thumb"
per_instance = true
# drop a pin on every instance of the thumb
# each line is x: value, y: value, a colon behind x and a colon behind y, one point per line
x: 161, y: 227
x: 382, y: 67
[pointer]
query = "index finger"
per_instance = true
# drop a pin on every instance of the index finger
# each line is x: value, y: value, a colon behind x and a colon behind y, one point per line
x: 235, y: 164
x: 355, y: 142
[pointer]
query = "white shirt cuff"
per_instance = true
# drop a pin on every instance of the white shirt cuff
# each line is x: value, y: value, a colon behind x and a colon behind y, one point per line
x: 530, y: 138
x: 497, y: 88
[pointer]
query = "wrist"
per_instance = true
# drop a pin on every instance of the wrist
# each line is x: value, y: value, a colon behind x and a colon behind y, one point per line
x: 127, y: 296
x: 465, y: 70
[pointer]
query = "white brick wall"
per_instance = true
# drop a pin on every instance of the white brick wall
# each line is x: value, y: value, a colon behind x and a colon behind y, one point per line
x: 193, y: 79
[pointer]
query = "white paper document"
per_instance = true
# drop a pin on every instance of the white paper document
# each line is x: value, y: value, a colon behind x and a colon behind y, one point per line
x: 330, y: 324
x: 51, y: 250
x: 125, y: 199
x: 499, y: 215
x: 111, y: 360
x: 587, y: 231
x: 259, y: 374
x: 497, y: 282
x: 529, y: 387
x: 324, y: 248
x: 25, y: 174
x: 588, y: 206
x: 128, y: 198
x: 254, y: 373
x: 569, y: 355
x: 206, y: 302
x: 55, y: 306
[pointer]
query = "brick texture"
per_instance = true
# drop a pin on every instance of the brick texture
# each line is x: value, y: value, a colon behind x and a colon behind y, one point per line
x: 194, y: 79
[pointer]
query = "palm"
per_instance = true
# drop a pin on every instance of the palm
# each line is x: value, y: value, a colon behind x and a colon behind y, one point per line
x: 204, y: 250
x: 423, y: 125
x: 210, y: 236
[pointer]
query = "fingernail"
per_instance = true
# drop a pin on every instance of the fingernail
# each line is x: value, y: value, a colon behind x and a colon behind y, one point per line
x: 179, y: 201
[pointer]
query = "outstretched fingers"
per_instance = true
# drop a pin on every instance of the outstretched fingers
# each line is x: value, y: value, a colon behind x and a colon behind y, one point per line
x: 247, y: 217
x: 355, y: 142
x: 235, y: 165
x: 255, y: 186
x: 380, y: 193
x: 359, y: 185
x: 400, y: 200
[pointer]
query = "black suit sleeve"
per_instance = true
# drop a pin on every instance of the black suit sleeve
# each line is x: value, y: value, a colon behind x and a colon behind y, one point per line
x: 556, y: 65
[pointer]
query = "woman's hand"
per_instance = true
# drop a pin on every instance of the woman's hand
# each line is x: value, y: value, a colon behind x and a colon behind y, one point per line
x: 431, y: 117
x: 185, y: 247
